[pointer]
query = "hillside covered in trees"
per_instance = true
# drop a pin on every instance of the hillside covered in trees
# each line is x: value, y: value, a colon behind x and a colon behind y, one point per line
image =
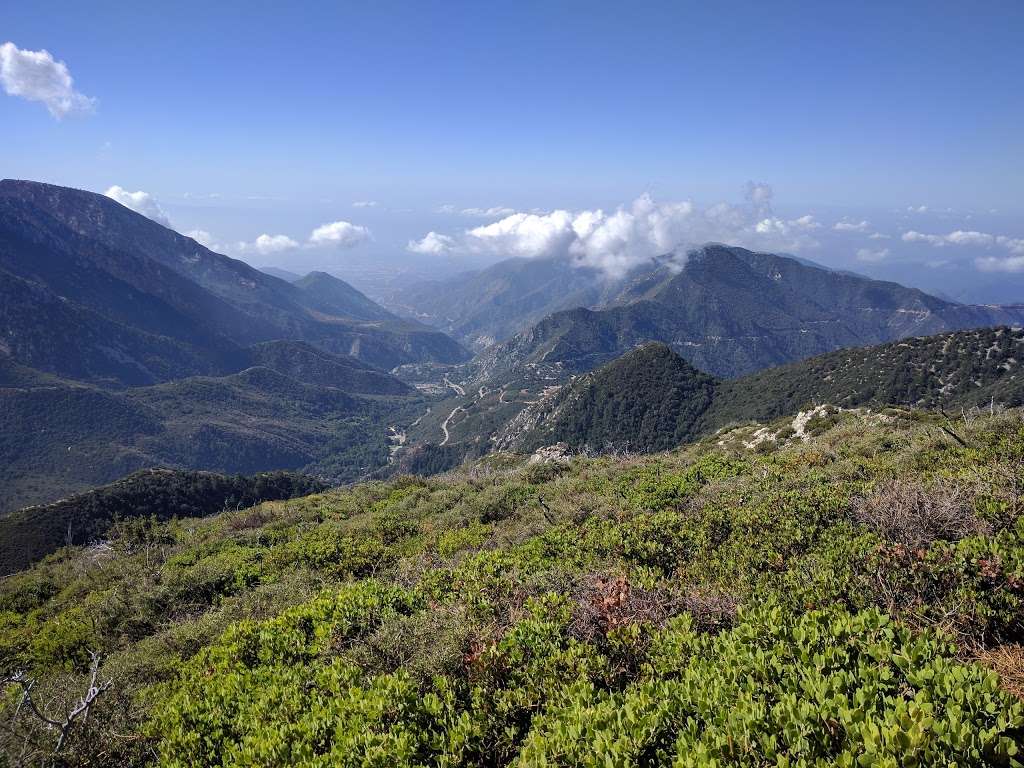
x: 849, y: 598
x: 651, y: 399
x: 157, y: 494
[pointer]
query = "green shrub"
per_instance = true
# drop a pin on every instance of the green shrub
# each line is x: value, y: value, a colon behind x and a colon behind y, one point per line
x: 824, y: 688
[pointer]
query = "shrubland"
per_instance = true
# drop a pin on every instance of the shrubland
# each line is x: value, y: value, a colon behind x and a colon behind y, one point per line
x: 850, y: 597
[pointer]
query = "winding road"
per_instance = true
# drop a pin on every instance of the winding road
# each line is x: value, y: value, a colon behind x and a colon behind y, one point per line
x: 444, y: 426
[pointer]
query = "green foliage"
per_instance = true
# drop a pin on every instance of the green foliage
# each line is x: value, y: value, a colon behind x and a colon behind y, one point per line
x: 853, y: 689
x: 31, y: 533
x: 826, y: 686
x: 281, y: 671
x: 654, y: 488
x: 710, y: 606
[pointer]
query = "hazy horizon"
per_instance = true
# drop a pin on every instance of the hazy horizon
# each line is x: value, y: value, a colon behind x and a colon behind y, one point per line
x: 431, y: 139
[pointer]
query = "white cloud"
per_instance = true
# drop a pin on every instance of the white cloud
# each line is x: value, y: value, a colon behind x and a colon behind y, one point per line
x: 776, y: 226
x: 879, y: 236
x: 807, y: 222
x: 1014, y: 263
x: 995, y: 264
x: 846, y: 225
x: 919, y: 237
x: 342, y: 234
x: 525, y: 234
x: 37, y: 76
x: 483, y: 213
x: 1012, y: 244
x: 201, y: 236
x: 967, y: 237
x: 432, y: 244
x: 365, y: 204
x: 960, y: 237
x: 972, y: 238
x: 871, y: 257
x: 268, y: 244
x: 140, y: 202
x: 917, y: 209
x: 619, y: 240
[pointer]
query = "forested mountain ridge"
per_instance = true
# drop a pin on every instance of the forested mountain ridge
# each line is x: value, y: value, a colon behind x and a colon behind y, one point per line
x: 29, y: 534
x: 294, y: 407
x: 650, y: 399
x: 686, y: 606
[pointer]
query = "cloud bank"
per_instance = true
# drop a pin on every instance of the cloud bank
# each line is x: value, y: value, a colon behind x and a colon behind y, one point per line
x: 619, y: 240
x: 140, y: 202
x: 1015, y: 245
x: 37, y: 76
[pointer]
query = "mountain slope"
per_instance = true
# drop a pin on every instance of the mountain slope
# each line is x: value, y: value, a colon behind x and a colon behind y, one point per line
x: 714, y: 603
x: 950, y: 370
x: 46, y: 331
x: 58, y: 437
x: 650, y: 399
x: 304, y: 362
x: 731, y: 311
x: 333, y: 295
x: 481, y: 308
x: 92, y: 251
x: 29, y: 534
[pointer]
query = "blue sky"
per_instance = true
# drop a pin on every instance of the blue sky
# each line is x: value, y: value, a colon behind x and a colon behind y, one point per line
x: 242, y: 119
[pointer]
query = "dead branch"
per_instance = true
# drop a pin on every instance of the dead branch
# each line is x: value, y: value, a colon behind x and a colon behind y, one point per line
x: 79, y: 711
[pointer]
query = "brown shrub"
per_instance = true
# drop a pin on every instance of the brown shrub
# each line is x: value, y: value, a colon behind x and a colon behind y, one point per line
x: 710, y: 609
x: 1008, y: 662
x: 247, y: 519
x: 606, y: 602
x: 914, y: 515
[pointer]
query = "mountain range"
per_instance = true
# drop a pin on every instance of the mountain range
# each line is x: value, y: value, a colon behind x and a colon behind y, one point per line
x: 126, y: 345
x: 651, y: 398
x: 94, y: 291
x: 731, y: 311
x: 728, y: 310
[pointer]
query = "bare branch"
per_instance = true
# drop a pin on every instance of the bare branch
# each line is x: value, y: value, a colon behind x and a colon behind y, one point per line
x: 80, y: 710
